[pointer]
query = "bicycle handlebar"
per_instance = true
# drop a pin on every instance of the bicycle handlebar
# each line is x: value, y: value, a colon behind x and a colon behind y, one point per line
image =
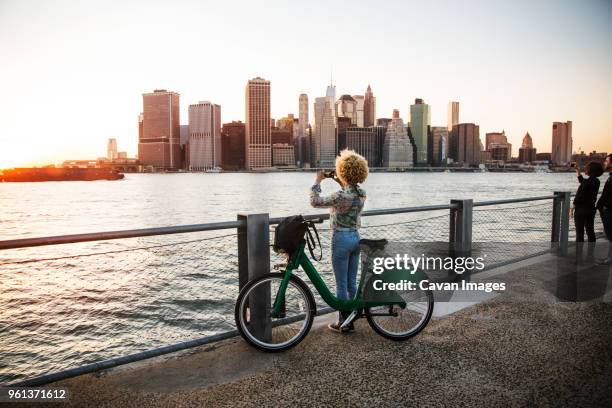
x: 317, y: 221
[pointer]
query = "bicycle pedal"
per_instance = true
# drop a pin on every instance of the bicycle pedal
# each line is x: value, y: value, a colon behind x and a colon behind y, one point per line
x: 279, y: 266
x: 349, y: 320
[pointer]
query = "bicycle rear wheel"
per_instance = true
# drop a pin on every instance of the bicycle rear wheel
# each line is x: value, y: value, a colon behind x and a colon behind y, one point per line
x: 397, y: 323
x: 254, y: 318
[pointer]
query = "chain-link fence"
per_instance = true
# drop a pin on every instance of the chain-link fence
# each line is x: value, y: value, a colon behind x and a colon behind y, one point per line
x: 79, y: 303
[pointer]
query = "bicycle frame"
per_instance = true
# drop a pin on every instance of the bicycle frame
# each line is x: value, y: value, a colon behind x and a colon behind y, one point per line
x: 299, y: 258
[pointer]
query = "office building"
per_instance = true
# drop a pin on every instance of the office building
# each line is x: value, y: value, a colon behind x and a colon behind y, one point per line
x: 283, y: 155
x: 437, y: 146
x: 527, y: 153
x: 544, y: 157
x: 360, y: 100
x: 562, y: 143
x: 159, y: 145
x: 302, y: 135
x: 111, y: 149
x: 499, y: 141
x: 324, y: 144
x: 204, y: 136
x: 367, y: 142
x: 258, y: 124
x: 500, y: 151
x: 397, y: 151
x: 140, y: 126
x: 233, y: 148
x: 464, y: 144
x: 341, y: 125
x: 346, y: 107
x: 280, y: 136
x: 384, y: 122
x: 331, y: 91
x: 288, y: 124
x: 305, y: 149
x: 453, y: 115
x: 369, y: 108
x: 420, y: 117
x: 495, y: 137
x: 303, y: 115
x: 184, y: 134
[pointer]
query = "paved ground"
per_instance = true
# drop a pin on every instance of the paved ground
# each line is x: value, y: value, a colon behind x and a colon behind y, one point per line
x: 497, y: 353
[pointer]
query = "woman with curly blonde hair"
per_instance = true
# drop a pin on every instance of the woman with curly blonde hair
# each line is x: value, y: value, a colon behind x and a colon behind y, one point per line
x: 345, y: 208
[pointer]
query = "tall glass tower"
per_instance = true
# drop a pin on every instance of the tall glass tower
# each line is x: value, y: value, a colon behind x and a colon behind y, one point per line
x: 420, y: 118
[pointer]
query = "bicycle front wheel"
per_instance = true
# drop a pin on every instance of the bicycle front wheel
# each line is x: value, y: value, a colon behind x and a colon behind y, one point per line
x: 255, y: 320
x: 397, y: 323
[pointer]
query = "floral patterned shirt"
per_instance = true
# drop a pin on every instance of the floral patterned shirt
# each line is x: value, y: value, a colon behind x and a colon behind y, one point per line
x: 345, y: 206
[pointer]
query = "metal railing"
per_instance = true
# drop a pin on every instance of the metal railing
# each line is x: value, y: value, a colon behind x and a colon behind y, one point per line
x: 461, y: 222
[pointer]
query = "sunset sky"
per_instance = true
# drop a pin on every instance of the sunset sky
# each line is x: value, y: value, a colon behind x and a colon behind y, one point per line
x: 72, y: 74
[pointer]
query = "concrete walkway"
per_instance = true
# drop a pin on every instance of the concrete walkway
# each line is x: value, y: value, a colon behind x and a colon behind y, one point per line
x: 497, y: 353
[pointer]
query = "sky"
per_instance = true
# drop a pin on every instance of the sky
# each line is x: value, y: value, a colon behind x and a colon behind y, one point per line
x: 72, y: 73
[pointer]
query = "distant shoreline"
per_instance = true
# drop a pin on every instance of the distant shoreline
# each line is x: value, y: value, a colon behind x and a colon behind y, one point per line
x: 372, y: 170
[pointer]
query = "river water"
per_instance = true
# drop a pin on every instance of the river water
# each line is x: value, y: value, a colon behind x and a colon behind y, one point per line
x: 63, y: 310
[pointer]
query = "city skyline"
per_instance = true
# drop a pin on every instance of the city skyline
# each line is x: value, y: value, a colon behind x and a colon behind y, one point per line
x: 548, y: 65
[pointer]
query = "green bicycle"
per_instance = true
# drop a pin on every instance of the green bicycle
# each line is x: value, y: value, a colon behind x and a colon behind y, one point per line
x: 275, y: 312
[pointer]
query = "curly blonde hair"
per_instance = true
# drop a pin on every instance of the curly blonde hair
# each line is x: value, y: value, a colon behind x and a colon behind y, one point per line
x: 351, y: 167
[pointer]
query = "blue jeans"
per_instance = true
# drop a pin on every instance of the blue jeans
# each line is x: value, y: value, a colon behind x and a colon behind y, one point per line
x: 345, y: 261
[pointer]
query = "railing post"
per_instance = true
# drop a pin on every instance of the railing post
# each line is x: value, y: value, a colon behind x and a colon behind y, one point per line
x: 253, y: 262
x: 460, y: 228
x: 556, y: 218
x: 561, y: 219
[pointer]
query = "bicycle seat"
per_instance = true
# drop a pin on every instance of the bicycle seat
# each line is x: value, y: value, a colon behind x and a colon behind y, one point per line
x: 374, y: 243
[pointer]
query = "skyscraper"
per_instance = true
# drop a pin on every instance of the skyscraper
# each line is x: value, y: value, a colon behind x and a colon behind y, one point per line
x: 437, y: 146
x: 140, y: 126
x: 233, y: 148
x: 111, y: 149
x: 324, y: 142
x: 496, y: 143
x: 159, y: 145
x: 562, y: 142
x: 258, y: 124
x: 369, y: 108
x: 495, y: 137
x: 527, y: 154
x: 346, y: 107
x: 366, y: 142
x: 204, y: 136
x: 420, y: 117
x: 360, y: 99
x: 331, y: 91
x: 303, y: 115
x: 302, y: 136
x: 453, y: 115
x: 527, y: 141
x: 464, y: 144
x: 397, y: 151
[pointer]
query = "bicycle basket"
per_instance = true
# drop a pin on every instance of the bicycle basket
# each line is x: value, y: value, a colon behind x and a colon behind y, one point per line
x: 291, y: 232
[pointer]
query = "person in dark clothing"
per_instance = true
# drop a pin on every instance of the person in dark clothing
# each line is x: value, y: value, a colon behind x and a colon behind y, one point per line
x: 604, y: 205
x: 584, y: 201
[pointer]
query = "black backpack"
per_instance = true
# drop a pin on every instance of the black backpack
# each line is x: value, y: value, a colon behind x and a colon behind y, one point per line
x: 291, y: 232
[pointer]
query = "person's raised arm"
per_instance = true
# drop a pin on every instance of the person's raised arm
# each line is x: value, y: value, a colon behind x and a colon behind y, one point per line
x: 318, y: 201
x: 578, y: 174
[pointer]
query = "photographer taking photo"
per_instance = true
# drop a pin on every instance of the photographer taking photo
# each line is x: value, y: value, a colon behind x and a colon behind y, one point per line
x: 584, y: 201
x: 345, y: 208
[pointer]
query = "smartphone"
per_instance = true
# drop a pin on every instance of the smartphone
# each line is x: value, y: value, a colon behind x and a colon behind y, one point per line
x: 329, y: 173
